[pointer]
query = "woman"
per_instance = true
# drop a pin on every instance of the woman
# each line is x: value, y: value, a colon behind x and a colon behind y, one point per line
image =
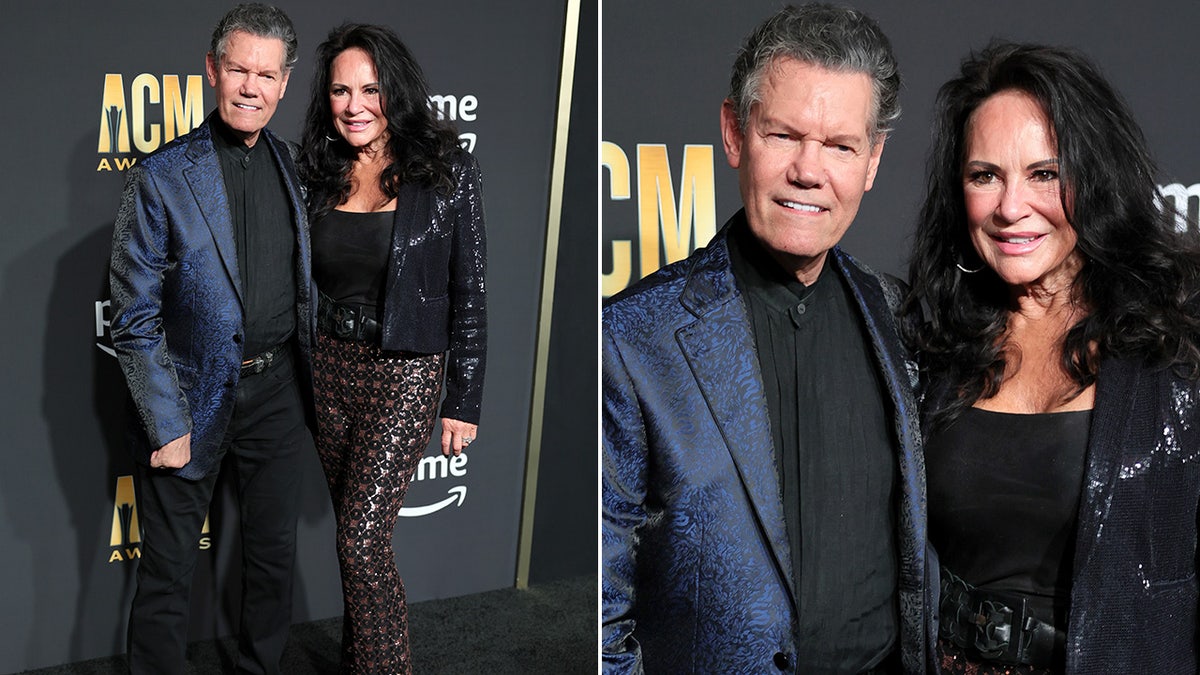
x: 398, y: 259
x: 1055, y: 310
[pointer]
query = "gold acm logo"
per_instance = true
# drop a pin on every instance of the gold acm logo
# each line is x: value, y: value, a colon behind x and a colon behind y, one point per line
x: 668, y: 229
x: 153, y: 110
x: 125, y: 541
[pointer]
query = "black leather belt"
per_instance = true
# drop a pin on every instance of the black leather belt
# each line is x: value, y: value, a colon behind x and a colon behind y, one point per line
x: 345, y: 322
x: 997, y: 626
x: 262, y: 361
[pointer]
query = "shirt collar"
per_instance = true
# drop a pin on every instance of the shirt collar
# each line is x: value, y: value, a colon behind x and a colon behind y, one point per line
x: 760, y: 276
x: 225, y: 140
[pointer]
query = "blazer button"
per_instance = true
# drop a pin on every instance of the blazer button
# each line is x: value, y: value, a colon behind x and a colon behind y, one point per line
x: 237, y: 338
x: 782, y: 661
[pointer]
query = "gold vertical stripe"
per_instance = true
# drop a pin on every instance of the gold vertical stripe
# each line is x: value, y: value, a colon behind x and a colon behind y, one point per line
x: 546, y: 307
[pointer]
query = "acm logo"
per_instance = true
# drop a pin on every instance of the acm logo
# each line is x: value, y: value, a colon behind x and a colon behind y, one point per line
x: 664, y: 231
x: 125, y: 541
x: 128, y: 123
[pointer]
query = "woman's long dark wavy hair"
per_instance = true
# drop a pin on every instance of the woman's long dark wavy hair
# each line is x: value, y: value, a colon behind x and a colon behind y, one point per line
x: 419, y: 144
x: 1139, y: 280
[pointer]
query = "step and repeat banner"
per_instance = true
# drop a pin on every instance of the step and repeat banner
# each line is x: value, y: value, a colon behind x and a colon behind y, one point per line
x: 666, y: 185
x: 89, y: 93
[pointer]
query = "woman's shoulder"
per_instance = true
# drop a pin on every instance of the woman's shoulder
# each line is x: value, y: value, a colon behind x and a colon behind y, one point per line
x: 465, y: 174
x: 461, y: 162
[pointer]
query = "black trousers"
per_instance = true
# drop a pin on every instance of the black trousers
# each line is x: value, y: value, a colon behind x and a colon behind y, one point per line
x: 265, y: 438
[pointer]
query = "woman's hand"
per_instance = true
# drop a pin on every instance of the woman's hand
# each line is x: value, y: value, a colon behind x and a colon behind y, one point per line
x: 456, y: 435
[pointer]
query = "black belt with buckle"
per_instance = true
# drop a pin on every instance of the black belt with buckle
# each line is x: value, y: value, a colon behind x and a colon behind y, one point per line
x: 345, y: 322
x: 997, y: 626
x: 262, y: 361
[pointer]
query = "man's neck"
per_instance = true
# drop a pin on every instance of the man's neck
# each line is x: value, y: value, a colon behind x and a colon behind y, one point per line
x: 233, y: 136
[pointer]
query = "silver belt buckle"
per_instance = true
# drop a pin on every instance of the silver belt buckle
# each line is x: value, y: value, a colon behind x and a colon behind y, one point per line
x: 343, y: 323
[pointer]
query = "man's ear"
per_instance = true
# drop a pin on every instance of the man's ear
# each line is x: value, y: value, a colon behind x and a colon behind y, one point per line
x: 873, y: 162
x: 210, y: 67
x: 731, y: 134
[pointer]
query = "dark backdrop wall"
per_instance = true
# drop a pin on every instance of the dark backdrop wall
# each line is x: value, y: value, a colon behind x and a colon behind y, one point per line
x: 92, y: 90
x: 666, y: 71
x: 564, y: 526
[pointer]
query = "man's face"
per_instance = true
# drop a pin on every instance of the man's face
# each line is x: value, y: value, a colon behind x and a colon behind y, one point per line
x: 804, y: 160
x: 249, y: 81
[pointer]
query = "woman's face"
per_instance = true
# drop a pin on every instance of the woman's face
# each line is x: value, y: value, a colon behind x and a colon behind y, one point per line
x: 1012, y: 190
x: 356, y: 101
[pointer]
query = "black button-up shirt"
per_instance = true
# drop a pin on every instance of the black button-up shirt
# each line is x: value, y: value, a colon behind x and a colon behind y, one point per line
x: 836, y: 456
x: 265, y: 235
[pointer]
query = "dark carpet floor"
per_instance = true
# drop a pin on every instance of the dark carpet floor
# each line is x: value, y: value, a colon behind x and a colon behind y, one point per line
x: 549, y: 628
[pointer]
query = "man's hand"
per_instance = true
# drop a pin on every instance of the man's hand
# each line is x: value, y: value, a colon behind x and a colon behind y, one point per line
x: 173, y: 455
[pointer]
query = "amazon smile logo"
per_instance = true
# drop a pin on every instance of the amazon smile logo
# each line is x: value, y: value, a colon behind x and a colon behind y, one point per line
x: 438, y: 467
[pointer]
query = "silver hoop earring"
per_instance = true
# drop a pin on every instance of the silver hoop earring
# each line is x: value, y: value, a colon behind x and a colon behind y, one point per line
x: 967, y: 271
x: 331, y: 139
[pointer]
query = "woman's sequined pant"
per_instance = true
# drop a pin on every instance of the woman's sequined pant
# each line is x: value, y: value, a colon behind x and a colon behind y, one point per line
x: 375, y: 413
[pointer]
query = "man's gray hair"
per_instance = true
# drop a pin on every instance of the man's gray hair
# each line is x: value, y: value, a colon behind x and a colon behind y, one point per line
x: 839, y: 39
x: 256, y: 19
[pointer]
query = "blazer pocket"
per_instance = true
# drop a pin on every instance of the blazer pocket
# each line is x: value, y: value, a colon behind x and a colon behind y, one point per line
x: 435, y: 278
x: 1171, y: 508
x: 185, y: 375
x: 436, y: 310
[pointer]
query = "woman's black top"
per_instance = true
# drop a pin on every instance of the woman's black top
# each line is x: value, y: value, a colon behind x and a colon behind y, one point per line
x: 349, y: 257
x: 1004, y: 492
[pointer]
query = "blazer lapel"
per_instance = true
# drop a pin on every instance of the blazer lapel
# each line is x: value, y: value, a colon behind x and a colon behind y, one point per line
x: 296, y: 198
x: 1116, y: 394
x: 412, y: 207
x: 287, y: 168
x: 900, y: 378
x: 208, y: 188
x: 719, y: 348
x: 877, y: 305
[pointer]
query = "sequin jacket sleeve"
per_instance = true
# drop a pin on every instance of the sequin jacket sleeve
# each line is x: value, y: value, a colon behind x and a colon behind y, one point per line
x: 468, y: 297
x: 435, y: 300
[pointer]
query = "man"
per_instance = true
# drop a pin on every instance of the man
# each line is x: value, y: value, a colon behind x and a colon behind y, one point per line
x: 211, y: 324
x: 763, y: 493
